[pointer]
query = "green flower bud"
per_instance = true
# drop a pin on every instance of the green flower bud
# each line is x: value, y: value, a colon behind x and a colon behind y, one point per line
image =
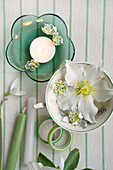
x: 49, y: 29
x: 60, y: 87
x: 74, y: 117
x: 57, y: 39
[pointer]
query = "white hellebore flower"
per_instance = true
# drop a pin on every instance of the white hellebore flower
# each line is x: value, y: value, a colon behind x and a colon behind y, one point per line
x: 14, y: 88
x: 85, y: 85
x: 39, y: 166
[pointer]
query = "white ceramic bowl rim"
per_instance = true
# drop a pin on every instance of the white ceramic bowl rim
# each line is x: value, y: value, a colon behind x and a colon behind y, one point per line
x: 47, y: 105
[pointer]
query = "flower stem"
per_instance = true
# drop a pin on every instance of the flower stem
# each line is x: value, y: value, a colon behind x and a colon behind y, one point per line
x: 1, y: 136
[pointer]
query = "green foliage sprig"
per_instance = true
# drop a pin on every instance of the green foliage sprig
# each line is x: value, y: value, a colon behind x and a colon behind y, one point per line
x: 70, y: 163
x: 5, y: 97
x: 14, y: 90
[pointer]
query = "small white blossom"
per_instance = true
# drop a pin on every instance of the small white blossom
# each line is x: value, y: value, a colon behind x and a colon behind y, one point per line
x: 57, y: 39
x: 32, y: 65
x: 60, y: 87
x: 49, y: 29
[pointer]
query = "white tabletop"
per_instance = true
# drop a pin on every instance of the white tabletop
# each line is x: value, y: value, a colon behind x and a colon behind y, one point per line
x: 90, y: 26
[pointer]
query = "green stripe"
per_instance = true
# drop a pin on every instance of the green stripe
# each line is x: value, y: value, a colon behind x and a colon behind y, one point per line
x: 20, y: 7
x: 4, y: 44
x: 103, y: 40
x: 53, y: 24
x: 70, y: 22
x: 20, y: 112
x: 37, y: 12
x: 103, y: 33
x: 86, y: 151
x: 103, y: 166
x: 86, y: 59
x: 20, y: 84
x: 1, y: 138
x: 87, y: 16
x: 37, y: 9
x: 54, y: 6
x: 36, y: 120
x: 53, y: 152
x: 70, y: 19
x: 70, y: 25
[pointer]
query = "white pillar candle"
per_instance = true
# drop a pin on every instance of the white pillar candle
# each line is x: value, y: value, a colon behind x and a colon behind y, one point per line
x: 30, y: 126
x: 42, y: 49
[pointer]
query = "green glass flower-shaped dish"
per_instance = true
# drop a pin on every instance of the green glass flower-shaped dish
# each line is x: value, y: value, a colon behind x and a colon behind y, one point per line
x: 24, y: 30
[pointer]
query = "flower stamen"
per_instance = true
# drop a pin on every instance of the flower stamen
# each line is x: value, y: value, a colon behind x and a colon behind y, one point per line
x: 83, y: 89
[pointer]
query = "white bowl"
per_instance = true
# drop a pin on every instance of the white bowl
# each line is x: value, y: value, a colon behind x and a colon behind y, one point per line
x: 54, y: 110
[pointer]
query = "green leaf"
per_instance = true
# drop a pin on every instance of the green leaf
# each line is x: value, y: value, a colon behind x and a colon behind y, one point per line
x: 7, y: 94
x: 44, y: 160
x: 5, y: 99
x: 87, y: 169
x: 72, y: 160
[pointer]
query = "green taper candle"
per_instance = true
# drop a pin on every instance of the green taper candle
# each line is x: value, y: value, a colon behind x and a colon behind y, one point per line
x: 16, y: 143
